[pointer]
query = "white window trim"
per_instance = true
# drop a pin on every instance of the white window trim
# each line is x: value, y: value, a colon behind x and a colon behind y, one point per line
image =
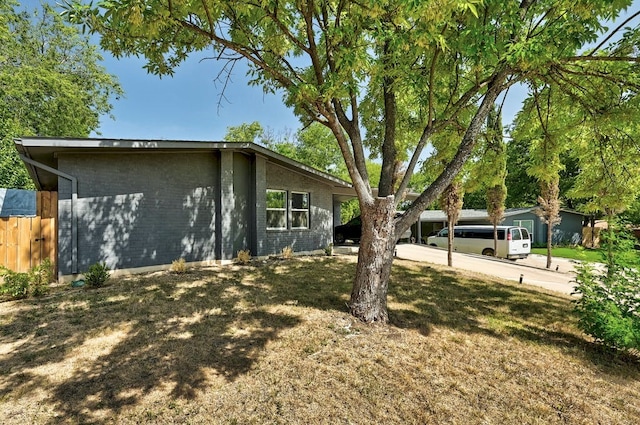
x: 307, y: 210
x: 286, y: 201
x: 521, y: 224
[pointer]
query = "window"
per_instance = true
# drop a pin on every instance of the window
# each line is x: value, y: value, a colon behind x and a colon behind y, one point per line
x: 299, y: 210
x: 276, y: 209
x: 527, y: 224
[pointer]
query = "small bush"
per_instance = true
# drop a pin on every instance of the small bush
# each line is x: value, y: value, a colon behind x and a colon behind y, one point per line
x: 97, y: 275
x: 244, y: 256
x: 179, y: 266
x: 287, y: 252
x: 328, y: 250
x: 15, y: 285
x: 609, y: 305
x: 40, y: 277
x: 35, y: 282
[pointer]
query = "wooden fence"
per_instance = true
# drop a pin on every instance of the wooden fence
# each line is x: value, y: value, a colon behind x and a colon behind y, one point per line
x: 26, y: 241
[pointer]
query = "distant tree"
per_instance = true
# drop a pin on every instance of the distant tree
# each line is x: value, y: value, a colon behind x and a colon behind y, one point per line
x: 51, y: 84
x: 523, y: 188
x: 496, y: 196
x: 549, y: 210
x: 492, y: 180
x: 545, y: 122
x: 451, y: 203
x: 245, y: 132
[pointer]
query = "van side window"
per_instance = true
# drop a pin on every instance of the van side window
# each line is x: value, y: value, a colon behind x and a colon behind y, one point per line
x: 444, y: 232
x: 515, y: 234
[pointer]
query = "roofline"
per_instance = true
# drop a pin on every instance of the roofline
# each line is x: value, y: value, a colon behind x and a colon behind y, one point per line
x: 23, y: 145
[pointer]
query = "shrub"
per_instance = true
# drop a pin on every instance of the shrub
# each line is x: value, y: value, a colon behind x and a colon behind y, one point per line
x: 244, y: 256
x: 21, y: 285
x: 97, y: 275
x: 328, y: 250
x: 40, y: 277
x: 287, y: 252
x: 14, y: 284
x: 609, y: 303
x: 179, y: 266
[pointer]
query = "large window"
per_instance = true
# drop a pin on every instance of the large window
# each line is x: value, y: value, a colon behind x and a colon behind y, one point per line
x: 299, y: 210
x: 276, y: 209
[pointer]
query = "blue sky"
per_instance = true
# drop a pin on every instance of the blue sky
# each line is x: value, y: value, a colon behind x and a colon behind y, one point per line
x: 187, y: 106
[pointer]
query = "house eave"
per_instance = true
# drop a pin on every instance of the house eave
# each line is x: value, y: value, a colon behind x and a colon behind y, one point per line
x: 45, y: 150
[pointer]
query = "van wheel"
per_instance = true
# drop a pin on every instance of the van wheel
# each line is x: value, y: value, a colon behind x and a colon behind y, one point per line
x: 339, y: 238
x: 433, y: 245
x: 487, y: 251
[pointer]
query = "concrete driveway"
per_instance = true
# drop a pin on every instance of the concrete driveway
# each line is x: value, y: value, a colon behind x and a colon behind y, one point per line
x: 532, y: 269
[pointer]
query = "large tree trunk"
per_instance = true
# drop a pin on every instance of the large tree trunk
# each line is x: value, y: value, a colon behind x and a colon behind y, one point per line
x: 375, y: 257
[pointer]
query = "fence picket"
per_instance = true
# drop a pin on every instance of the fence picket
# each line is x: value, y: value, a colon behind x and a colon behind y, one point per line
x: 26, y: 241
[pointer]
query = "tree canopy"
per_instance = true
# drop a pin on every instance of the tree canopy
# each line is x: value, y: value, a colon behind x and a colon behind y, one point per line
x: 51, y: 84
x: 390, y: 76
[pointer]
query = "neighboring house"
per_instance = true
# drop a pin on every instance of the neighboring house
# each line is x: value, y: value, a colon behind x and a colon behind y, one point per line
x: 140, y: 204
x: 569, y: 231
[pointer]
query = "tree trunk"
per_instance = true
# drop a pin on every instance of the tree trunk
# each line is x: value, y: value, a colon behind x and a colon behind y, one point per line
x: 549, y: 244
x: 450, y: 244
x: 495, y: 240
x: 375, y: 257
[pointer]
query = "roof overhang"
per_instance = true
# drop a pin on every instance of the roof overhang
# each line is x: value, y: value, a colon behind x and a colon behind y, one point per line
x: 45, y: 151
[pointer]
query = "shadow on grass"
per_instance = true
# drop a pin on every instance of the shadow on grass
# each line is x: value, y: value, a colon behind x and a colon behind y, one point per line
x: 133, y: 337
x: 207, y: 327
x: 444, y: 298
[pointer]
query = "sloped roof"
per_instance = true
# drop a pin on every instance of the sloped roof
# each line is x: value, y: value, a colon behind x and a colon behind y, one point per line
x: 473, y: 214
x: 44, y: 150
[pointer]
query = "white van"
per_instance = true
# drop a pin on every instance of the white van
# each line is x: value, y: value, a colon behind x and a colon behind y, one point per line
x: 513, y: 241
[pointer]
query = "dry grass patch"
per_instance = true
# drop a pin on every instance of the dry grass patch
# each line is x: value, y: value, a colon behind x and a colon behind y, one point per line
x: 272, y: 342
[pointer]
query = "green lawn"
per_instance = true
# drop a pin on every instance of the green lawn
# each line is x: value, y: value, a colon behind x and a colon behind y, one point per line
x: 271, y: 342
x: 577, y: 253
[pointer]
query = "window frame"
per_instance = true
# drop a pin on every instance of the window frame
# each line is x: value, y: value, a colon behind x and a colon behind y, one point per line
x: 272, y: 209
x: 306, y: 210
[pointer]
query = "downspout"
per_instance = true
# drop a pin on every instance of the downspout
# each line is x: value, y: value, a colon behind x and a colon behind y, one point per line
x: 74, y: 200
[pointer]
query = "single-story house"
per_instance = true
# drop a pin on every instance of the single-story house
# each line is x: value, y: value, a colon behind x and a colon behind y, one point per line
x: 569, y: 231
x: 141, y: 204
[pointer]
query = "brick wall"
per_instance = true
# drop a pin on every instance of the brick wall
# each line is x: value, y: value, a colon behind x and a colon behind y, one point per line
x: 137, y: 210
x: 320, y: 233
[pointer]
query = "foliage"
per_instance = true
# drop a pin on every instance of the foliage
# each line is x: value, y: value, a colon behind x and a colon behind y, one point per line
x: 451, y: 203
x: 35, y: 282
x: 51, y: 84
x: 244, y: 256
x: 496, y: 196
x: 287, y: 252
x: 389, y: 78
x: 328, y: 250
x: 41, y: 276
x: 97, y: 275
x: 609, y: 303
x: 14, y: 284
x: 179, y: 266
x: 632, y: 214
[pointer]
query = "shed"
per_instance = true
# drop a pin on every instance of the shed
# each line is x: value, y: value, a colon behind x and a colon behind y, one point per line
x: 140, y: 204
